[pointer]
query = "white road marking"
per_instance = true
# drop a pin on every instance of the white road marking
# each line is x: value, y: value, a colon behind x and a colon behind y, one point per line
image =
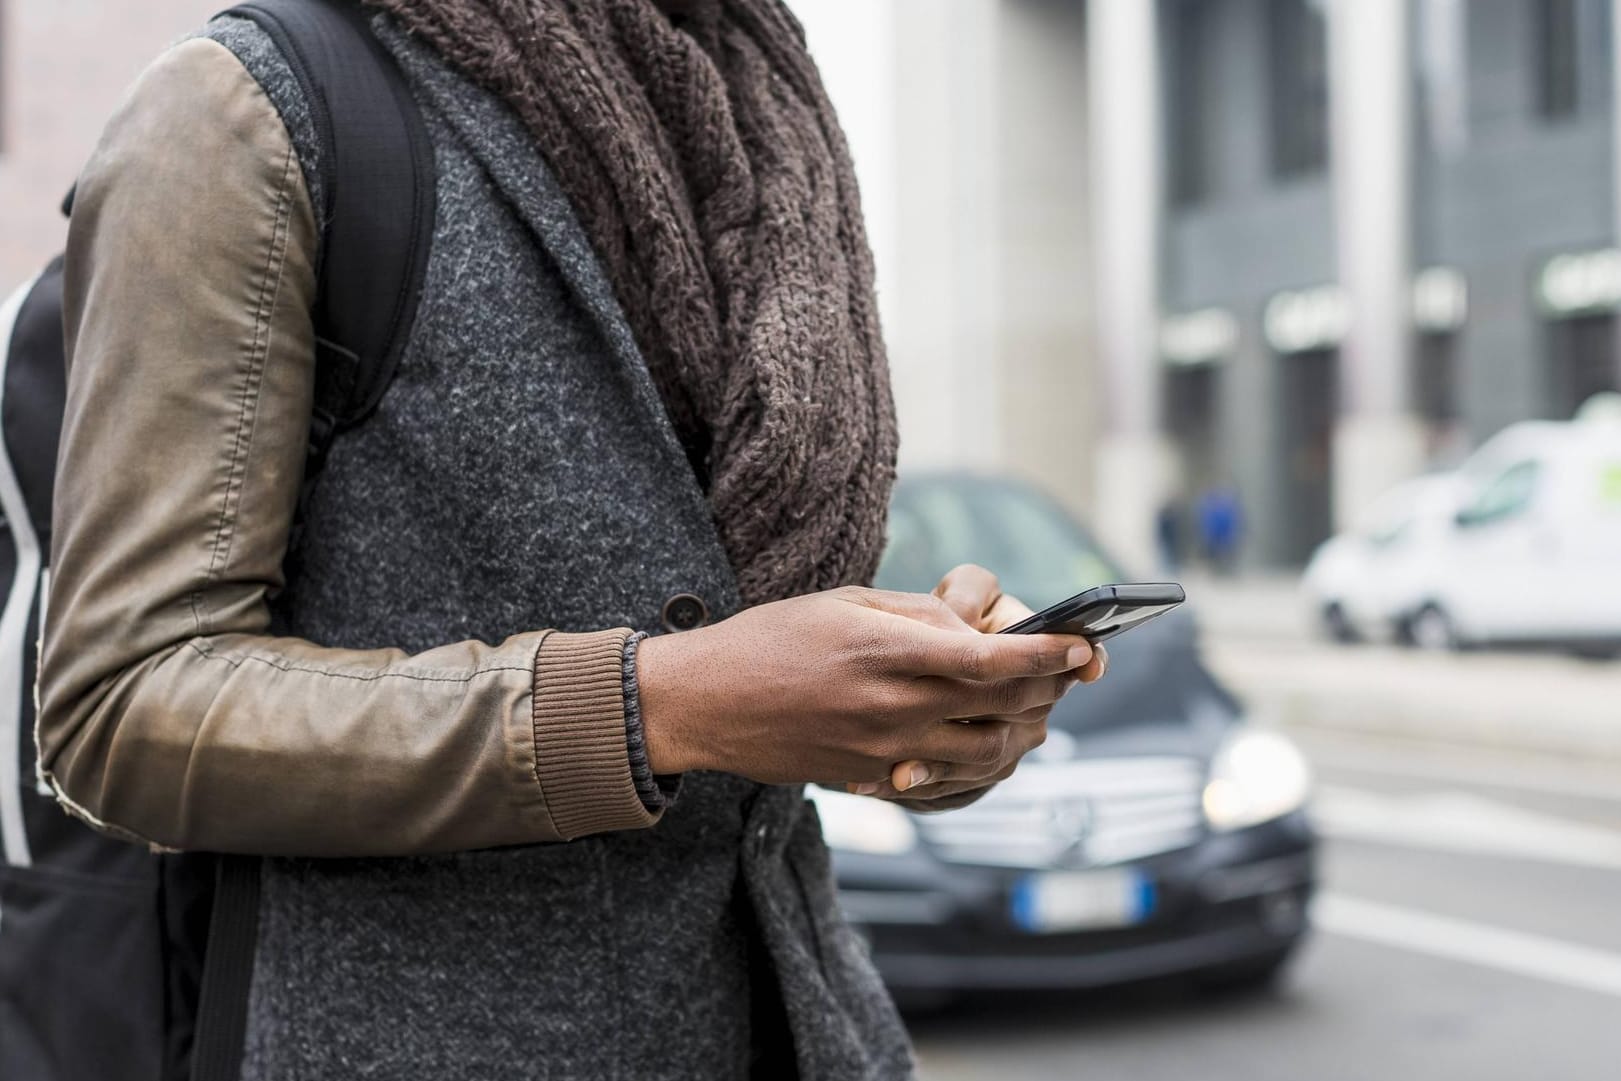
x: 1549, y: 959
x: 1462, y: 822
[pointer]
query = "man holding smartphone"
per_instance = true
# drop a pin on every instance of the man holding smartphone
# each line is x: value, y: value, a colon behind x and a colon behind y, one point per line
x: 851, y: 686
x: 500, y: 831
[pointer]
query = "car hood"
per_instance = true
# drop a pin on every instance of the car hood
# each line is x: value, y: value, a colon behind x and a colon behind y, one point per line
x: 1156, y: 698
x: 1335, y: 559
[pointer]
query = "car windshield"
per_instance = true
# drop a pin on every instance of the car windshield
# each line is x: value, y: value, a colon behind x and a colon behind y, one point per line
x: 1040, y: 554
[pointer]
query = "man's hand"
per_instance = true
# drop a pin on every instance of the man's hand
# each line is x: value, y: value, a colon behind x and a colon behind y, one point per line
x: 837, y: 687
x: 975, y: 596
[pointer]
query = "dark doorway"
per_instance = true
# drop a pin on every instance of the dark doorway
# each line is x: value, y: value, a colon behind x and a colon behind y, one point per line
x: 1192, y: 404
x: 1435, y: 399
x: 1308, y: 402
x: 1581, y: 362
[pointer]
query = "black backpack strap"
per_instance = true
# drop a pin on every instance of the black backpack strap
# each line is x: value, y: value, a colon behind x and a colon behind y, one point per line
x: 222, y: 1010
x: 377, y: 173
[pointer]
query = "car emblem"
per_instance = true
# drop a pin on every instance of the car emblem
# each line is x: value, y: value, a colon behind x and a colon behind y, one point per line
x: 1071, y: 820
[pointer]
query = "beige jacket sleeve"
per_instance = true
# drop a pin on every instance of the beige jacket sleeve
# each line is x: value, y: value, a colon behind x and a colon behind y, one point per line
x: 167, y: 713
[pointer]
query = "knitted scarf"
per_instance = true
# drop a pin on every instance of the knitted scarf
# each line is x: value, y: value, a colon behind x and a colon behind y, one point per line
x: 697, y: 145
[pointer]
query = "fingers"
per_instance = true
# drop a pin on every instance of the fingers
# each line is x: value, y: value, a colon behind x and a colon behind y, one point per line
x: 940, y: 641
x: 983, y: 744
x: 1007, y: 611
x: 929, y: 790
x: 970, y: 591
x: 1094, y: 669
x: 940, y: 795
x: 1034, y: 715
x: 968, y: 753
x: 985, y: 658
x: 1008, y: 699
x: 1021, y: 740
x: 975, y: 595
x: 907, y: 775
x: 925, y: 608
x: 945, y: 801
x: 925, y: 794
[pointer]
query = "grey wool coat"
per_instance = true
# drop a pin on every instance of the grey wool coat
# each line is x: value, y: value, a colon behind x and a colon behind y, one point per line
x: 520, y: 454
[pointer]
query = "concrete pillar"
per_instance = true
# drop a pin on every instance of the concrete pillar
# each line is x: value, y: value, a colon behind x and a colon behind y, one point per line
x: 1379, y: 440
x: 1133, y: 460
x: 1043, y: 351
x: 941, y: 302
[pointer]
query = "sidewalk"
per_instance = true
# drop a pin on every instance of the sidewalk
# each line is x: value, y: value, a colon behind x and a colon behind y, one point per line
x: 1257, y: 636
x: 1250, y: 608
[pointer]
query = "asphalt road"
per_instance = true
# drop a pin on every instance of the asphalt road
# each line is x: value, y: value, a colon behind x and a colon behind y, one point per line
x: 1470, y: 928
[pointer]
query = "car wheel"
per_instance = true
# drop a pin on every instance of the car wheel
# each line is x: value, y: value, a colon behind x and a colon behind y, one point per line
x: 1337, y: 625
x: 1432, y: 629
x: 1254, y: 974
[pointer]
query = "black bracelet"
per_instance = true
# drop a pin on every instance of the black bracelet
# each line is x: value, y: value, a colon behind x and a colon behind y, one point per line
x: 656, y: 792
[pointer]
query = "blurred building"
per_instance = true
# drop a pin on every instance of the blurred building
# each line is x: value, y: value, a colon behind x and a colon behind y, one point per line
x: 1388, y: 229
x: 1143, y: 250
x: 1327, y: 243
x: 64, y: 65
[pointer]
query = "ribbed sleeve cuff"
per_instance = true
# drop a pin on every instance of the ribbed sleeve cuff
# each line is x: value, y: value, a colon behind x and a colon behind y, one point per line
x: 579, y: 713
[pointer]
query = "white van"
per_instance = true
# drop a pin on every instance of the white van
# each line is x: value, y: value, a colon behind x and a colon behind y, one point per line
x: 1521, y: 546
x: 1362, y: 584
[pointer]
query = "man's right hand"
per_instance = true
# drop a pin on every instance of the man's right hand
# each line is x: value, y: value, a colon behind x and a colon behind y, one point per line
x: 837, y: 687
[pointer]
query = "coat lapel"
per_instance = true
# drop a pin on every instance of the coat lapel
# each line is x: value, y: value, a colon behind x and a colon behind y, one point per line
x: 494, y: 135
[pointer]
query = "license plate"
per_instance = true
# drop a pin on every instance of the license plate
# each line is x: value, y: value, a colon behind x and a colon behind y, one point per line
x: 1082, y: 900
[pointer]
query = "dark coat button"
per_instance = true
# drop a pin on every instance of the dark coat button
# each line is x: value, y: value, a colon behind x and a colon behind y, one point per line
x: 685, y: 611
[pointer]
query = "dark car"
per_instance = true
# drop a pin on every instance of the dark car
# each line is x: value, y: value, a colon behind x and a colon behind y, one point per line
x: 1157, y: 832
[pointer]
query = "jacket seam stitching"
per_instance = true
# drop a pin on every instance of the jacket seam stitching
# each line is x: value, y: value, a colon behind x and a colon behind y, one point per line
x: 238, y: 659
x: 269, y: 292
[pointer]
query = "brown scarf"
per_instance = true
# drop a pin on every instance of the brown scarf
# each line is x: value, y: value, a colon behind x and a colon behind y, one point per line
x: 698, y: 148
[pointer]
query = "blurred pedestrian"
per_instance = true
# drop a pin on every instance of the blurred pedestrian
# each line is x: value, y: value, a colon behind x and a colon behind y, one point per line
x: 1221, y: 523
x: 1168, y: 533
x: 644, y: 391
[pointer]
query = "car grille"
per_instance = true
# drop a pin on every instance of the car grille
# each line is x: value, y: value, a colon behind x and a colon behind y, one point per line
x: 1076, y: 814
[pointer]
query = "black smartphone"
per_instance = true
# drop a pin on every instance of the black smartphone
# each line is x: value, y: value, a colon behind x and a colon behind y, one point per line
x: 1100, y: 614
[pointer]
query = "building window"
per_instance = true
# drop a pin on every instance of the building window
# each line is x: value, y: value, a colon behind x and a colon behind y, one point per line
x: 1435, y: 382
x: 1444, y: 72
x: 1190, y: 94
x: 1555, y: 68
x: 1297, y: 60
x: 1191, y: 395
x: 1308, y: 397
x: 1582, y: 363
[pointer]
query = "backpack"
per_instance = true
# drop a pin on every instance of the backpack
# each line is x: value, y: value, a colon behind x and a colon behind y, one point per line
x: 117, y: 962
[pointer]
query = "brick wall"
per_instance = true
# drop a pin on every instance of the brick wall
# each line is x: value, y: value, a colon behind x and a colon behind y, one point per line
x: 64, y: 66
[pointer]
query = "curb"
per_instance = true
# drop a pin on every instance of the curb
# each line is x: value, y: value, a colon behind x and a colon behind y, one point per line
x: 1532, y: 703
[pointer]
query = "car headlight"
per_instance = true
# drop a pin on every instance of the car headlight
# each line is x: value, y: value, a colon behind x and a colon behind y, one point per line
x: 1256, y: 776
x: 862, y: 824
